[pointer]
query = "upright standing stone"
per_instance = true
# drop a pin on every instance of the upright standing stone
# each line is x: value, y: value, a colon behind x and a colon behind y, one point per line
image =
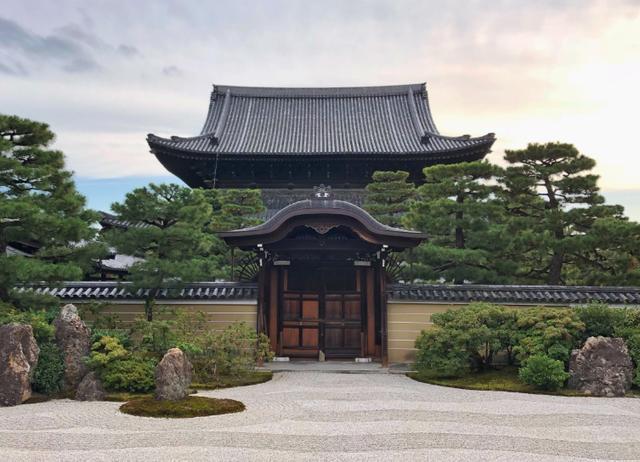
x: 18, y: 358
x: 74, y: 340
x: 602, y: 367
x: 173, y: 376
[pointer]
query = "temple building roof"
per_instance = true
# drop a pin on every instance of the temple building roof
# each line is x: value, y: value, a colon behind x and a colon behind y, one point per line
x: 319, y: 121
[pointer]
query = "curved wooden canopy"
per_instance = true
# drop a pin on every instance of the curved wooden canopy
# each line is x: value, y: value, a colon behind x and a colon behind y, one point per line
x: 322, y: 215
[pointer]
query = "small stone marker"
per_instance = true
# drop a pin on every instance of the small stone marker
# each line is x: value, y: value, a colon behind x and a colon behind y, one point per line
x: 173, y: 376
x: 18, y: 358
x: 602, y: 367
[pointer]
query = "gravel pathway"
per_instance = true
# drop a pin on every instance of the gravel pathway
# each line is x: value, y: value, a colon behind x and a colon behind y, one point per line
x: 327, y: 416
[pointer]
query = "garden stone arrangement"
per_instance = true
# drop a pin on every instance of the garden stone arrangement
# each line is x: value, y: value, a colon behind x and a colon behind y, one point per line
x: 173, y: 376
x: 74, y: 340
x: 18, y: 358
x: 91, y: 388
x: 602, y: 367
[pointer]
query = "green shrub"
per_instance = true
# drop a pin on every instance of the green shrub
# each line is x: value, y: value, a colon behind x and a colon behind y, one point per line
x: 547, y: 331
x: 154, y: 337
x: 130, y: 374
x: 105, y: 351
x: 120, y: 334
x: 442, y: 353
x: 49, y: 372
x: 486, y: 329
x: 43, y: 330
x: 543, y: 372
x: 600, y: 319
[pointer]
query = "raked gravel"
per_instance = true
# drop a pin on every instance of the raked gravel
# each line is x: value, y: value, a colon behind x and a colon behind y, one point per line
x: 327, y: 416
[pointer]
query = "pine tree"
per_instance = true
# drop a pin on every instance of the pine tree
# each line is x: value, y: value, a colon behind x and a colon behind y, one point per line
x: 389, y: 197
x: 232, y: 209
x: 170, y: 236
x: 457, y: 210
x: 40, y: 207
x: 553, y: 200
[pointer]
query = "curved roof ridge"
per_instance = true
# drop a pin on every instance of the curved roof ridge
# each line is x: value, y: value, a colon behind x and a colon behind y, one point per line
x: 318, y: 92
x: 317, y: 204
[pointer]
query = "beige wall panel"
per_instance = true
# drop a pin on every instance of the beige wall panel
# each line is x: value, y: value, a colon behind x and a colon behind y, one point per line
x: 218, y: 316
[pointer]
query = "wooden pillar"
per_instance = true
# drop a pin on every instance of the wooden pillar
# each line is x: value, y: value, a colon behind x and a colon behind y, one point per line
x: 262, y: 301
x: 371, y: 312
x: 382, y: 279
x: 273, y: 308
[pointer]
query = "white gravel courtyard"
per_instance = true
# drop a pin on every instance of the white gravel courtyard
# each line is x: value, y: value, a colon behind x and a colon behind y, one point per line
x: 332, y: 416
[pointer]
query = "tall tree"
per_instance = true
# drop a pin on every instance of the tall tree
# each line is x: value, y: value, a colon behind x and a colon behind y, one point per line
x: 232, y: 209
x: 39, y: 207
x: 457, y: 210
x: 389, y: 197
x: 553, y: 199
x: 170, y: 236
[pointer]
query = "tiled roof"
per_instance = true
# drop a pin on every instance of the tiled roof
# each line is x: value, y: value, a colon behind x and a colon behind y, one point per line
x: 515, y: 294
x: 294, y: 121
x: 112, y: 290
x: 109, y: 220
x: 504, y: 294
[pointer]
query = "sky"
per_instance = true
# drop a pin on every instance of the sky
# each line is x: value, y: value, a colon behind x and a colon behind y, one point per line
x: 103, y: 74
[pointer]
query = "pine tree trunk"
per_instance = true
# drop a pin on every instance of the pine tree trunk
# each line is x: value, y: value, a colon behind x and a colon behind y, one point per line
x: 148, y: 306
x: 555, y: 268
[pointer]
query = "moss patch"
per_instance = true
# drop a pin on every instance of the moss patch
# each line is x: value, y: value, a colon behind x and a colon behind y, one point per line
x: 124, y: 396
x: 504, y: 379
x: 191, y: 406
x: 252, y: 378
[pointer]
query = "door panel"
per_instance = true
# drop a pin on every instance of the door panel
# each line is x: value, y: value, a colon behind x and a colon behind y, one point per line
x: 321, y: 310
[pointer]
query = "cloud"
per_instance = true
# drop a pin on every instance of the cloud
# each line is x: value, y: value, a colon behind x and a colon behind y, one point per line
x: 128, y: 51
x: 30, y: 50
x: 171, y: 71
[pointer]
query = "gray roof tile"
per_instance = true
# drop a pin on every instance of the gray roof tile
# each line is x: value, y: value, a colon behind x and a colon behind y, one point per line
x: 294, y: 121
x: 515, y: 294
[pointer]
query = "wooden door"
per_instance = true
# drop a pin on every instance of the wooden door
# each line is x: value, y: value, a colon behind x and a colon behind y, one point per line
x: 321, y: 310
x: 342, y: 325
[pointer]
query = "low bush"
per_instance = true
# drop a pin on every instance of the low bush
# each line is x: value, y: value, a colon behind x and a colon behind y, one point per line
x: 600, y: 319
x: 121, y: 335
x: 442, y: 353
x: 547, y: 331
x: 543, y: 372
x: 131, y: 374
x: 119, y: 369
x: 43, y: 330
x: 49, y: 372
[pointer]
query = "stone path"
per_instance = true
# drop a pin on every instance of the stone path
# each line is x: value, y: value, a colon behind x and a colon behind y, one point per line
x: 326, y: 416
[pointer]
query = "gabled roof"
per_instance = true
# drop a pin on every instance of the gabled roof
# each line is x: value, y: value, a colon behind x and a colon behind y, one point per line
x: 318, y: 121
x: 331, y: 212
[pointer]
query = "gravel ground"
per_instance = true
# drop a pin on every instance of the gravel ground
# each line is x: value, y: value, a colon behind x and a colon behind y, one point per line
x: 330, y: 416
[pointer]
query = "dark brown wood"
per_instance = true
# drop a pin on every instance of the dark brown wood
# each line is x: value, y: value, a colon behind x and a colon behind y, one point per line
x: 382, y: 281
x: 371, y: 315
x: 273, y: 308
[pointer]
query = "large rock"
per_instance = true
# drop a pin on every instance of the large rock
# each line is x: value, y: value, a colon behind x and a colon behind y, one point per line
x: 602, y: 367
x: 74, y: 340
x: 90, y: 389
x: 173, y: 376
x: 18, y: 358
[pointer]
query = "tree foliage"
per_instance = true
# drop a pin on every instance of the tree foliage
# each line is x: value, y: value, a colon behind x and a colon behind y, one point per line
x: 389, y: 197
x: 455, y: 207
x: 558, y: 217
x: 169, y: 235
x: 41, y: 209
